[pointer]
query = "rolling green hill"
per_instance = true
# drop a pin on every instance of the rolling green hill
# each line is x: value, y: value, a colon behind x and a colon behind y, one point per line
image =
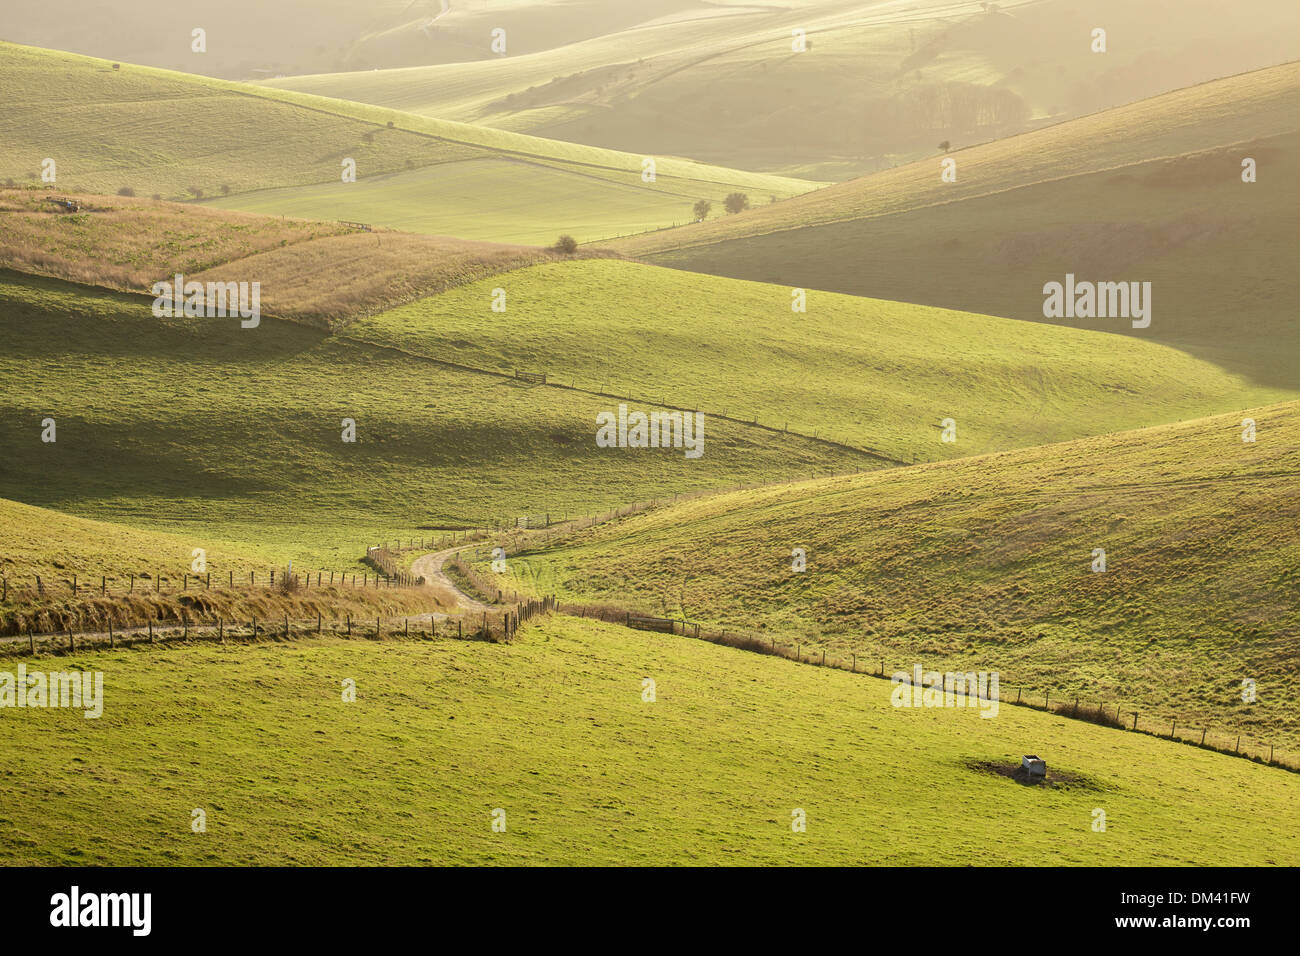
x: 552, y: 730
x: 987, y: 563
x: 204, y: 428
x: 179, y: 136
x: 1149, y: 192
x: 64, y: 573
x: 872, y: 374
x: 39, y: 541
x: 879, y: 83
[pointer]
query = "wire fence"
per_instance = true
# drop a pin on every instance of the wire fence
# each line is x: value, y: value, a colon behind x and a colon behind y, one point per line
x: 1061, y: 703
x: 496, y: 625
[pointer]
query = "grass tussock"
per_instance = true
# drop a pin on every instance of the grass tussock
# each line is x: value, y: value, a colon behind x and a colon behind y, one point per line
x: 1092, y: 713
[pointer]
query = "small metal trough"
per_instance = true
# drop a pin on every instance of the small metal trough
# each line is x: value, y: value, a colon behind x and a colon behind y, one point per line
x: 1034, y: 765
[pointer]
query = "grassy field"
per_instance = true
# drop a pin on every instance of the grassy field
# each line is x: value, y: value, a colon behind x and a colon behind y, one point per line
x: 1152, y: 192
x: 886, y: 374
x: 544, y: 202
x: 1216, y: 252
x: 92, y: 573
x: 553, y: 730
x: 1238, y: 109
x: 318, y: 273
x: 987, y: 563
x: 109, y: 130
x: 878, y: 83
x: 228, y: 434
x: 39, y: 541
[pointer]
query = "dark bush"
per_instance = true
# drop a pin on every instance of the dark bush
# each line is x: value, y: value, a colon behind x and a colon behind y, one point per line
x: 736, y: 202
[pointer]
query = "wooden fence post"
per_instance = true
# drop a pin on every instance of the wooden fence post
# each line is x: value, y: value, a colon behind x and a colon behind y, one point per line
x: 150, y: 630
x: 31, y: 639
x: 110, y: 632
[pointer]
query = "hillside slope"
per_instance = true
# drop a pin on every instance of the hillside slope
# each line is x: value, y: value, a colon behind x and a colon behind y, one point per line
x: 551, y: 736
x: 877, y: 84
x: 317, y: 273
x: 872, y: 374
x: 1151, y: 192
x: 273, y: 151
x: 987, y: 563
x: 202, y: 427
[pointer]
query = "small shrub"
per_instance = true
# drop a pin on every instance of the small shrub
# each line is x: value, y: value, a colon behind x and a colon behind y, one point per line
x: 736, y: 202
x: 126, y: 191
x: 567, y: 245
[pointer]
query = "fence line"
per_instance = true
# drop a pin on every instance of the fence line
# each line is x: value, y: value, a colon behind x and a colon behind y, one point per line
x: 505, y: 622
x: 192, y: 582
x: 498, y: 625
x: 1051, y: 701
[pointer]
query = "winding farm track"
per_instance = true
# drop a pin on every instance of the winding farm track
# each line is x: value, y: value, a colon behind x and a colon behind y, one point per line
x: 431, y: 568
